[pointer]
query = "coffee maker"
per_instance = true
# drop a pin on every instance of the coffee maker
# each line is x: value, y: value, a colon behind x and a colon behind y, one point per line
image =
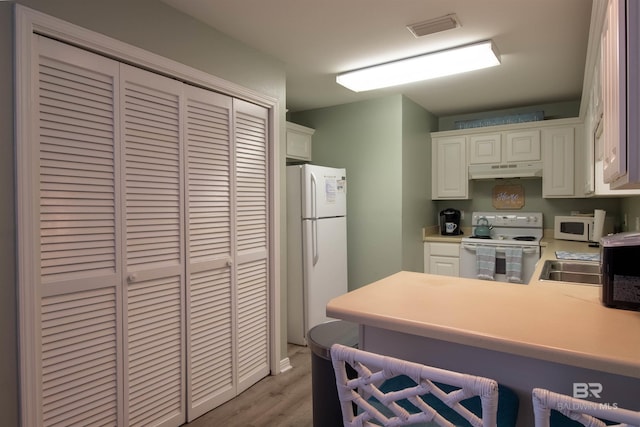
x: 450, y: 222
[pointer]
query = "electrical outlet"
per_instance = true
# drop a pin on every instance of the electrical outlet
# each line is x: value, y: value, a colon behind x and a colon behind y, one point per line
x: 638, y: 223
x: 461, y: 215
x: 625, y: 222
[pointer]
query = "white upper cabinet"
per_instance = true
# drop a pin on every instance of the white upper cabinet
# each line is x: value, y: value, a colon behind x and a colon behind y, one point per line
x: 620, y: 62
x: 558, y: 175
x: 299, y: 140
x: 504, y: 147
x: 485, y: 148
x: 522, y: 146
x: 453, y: 152
x: 449, y: 168
x: 598, y: 142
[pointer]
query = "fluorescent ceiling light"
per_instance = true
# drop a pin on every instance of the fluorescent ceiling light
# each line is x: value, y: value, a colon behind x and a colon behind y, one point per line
x: 423, y: 67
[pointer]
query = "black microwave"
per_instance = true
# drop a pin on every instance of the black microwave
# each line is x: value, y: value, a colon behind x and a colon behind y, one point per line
x: 619, y: 255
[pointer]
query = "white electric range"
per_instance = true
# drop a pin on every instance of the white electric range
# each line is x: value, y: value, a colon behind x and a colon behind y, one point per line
x: 508, y: 230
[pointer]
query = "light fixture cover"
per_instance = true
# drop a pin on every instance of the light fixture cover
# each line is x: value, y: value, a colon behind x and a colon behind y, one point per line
x: 423, y: 67
x: 436, y: 25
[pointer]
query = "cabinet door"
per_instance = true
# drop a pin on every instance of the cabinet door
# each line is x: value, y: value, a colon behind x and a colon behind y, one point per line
x: 522, y: 146
x: 442, y: 258
x: 251, y: 243
x: 485, y: 148
x: 299, y: 142
x: 153, y: 249
x: 449, y: 168
x: 613, y: 65
x: 444, y: 266
x: 621, y: 94
x: 71, y: 234
x: 210, y: 306
x: 558, y: 175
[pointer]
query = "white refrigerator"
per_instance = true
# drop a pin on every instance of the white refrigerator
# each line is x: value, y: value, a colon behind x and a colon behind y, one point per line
x: 316, y: 245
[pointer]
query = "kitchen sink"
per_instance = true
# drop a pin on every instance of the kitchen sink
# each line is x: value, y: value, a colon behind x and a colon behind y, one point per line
x: 572, y: 271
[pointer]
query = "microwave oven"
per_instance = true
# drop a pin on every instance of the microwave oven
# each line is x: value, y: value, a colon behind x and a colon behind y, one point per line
x: 619, y: 254
x: 580, y: 228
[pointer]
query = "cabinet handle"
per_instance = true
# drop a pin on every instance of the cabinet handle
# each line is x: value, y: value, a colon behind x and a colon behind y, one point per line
x: 132, y: 277
x: 229, y: 263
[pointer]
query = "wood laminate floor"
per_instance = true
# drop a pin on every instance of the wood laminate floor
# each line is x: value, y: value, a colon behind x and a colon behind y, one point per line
x: 276, y: 401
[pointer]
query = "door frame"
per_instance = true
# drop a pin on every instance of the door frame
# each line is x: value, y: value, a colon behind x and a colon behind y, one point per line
x: 29, y: 21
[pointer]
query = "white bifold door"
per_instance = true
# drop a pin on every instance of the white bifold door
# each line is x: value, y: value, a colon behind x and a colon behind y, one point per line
x: 144, y: 215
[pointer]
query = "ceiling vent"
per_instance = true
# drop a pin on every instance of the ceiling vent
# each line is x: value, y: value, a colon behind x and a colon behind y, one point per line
x: 436, y: 25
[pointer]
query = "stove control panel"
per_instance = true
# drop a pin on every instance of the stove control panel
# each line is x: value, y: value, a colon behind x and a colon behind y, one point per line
x: 520, y: 219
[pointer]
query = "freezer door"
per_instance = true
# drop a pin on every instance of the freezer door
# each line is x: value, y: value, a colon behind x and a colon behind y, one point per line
x: 325, y: 266
x: 324, y: 192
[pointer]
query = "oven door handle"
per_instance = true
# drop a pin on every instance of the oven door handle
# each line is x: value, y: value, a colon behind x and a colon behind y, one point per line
x: 472, y: 247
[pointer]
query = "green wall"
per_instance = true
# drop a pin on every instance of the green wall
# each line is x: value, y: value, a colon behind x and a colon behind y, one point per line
x: 417, y: 208
x: 482, y: 191
x: 155, y: 27
x: 8, y: 290
x: 384, y: 145
x: 631, y: 207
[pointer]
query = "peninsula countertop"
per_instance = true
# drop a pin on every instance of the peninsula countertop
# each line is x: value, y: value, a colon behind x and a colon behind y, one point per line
x: 552, y: 321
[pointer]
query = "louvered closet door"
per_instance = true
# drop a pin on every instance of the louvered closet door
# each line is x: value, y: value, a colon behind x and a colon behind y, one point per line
x: 154, y: 249
x: 78, y: 294
x: 251, y: 241
x: 210, y: 296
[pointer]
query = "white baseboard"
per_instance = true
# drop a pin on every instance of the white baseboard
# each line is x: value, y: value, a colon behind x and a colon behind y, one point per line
x: 285, y: 365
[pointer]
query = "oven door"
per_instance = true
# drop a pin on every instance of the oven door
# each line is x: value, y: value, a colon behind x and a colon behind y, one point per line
x: 469, y: 269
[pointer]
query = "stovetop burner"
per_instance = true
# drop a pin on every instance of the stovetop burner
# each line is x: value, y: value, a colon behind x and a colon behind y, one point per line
x: 480, y: 237
x: 525, y: 238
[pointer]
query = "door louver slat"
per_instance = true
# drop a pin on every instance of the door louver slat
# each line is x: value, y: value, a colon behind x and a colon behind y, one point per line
x: 152, y: 147
x: 252, y: 317
x: 155, y: 350
x: 251, y: 178
x: 79, y: 357
x: 76, y: 123
x: 208, y: 158
x: 211, y: 335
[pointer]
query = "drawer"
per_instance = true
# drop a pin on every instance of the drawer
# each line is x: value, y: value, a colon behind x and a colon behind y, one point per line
x: 444, y: 249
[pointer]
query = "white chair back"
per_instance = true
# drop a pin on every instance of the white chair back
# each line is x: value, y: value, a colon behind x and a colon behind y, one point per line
x: 587, y: 413
x: 374, y: 369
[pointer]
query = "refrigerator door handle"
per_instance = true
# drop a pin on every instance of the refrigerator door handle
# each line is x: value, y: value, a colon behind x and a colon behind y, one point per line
x: 314, y: 241
x: 314, y: 190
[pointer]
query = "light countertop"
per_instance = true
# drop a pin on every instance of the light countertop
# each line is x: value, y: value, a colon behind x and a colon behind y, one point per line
x: 554, y: 321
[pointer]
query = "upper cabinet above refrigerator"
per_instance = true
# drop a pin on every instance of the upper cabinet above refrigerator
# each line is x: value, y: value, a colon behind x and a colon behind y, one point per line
x: 299, y: 143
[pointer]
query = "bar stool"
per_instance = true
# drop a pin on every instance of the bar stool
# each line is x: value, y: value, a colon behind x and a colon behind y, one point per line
x: 577, y: 412
x: 394, y: 392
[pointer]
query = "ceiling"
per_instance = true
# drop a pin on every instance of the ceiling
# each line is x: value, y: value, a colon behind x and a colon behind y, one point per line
x: 542, y: 43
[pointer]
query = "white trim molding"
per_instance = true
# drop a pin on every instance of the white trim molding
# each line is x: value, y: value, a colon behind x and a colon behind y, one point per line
x: 285, y: 365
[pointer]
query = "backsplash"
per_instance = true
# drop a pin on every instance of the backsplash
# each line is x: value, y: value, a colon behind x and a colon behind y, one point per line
x: 630, y: 208
x: 481, y: 193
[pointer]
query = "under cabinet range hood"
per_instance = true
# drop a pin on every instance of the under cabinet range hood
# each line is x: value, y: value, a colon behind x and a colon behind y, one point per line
x: 506, y: 170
